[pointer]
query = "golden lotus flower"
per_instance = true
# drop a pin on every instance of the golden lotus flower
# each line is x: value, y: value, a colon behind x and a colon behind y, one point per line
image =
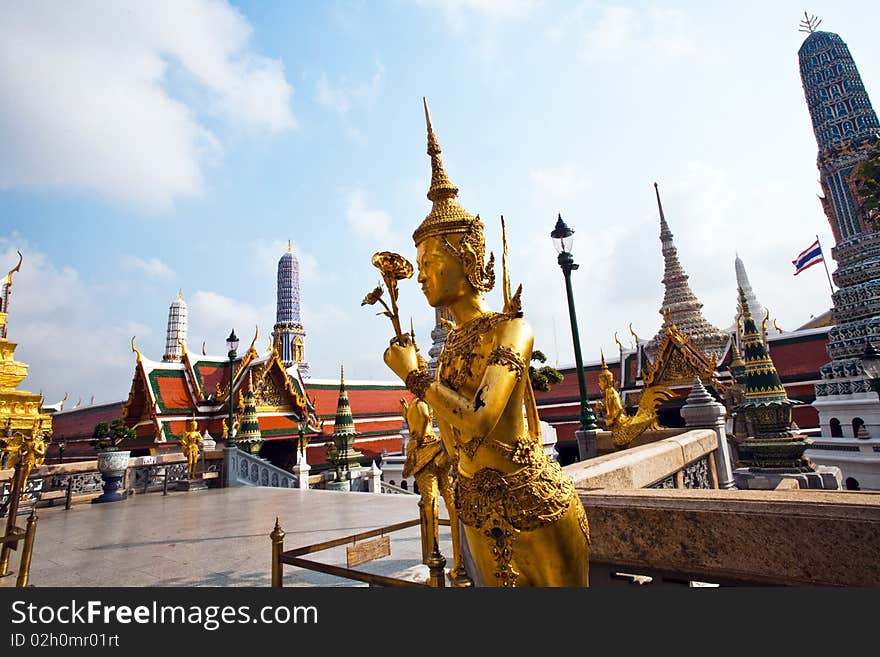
x: 373, y: 297
x: 392, y: 265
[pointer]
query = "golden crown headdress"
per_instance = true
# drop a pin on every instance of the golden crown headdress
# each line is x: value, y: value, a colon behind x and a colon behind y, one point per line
x: 447, y: 218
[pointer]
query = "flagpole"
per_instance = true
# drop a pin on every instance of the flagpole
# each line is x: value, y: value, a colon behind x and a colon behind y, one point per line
x: 825, y: 262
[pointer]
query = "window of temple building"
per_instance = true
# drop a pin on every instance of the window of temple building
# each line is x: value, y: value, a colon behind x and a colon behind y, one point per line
x: 858, y: 424
x: 836, y: 431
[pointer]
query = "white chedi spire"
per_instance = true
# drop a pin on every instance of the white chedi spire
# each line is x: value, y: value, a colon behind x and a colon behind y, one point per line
x: 176, y: 334
x: 757, y: 310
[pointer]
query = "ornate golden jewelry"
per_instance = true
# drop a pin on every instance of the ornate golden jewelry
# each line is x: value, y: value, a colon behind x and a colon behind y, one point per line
x: 459, y: 353
x: 508, y: 358
x: 417, y: 382
x: 527, y: 499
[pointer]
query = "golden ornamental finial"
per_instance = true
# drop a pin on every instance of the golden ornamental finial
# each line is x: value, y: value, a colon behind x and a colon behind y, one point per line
x: 602, y: 356
x: 289, y: 247
x: 512, y: 302
x: 619, y: 346
x: 809, y: 23
x: 256, y: 335
x: 635, y: 337
x: 135, y: 349
x: 14, y: 269
x: 179, y: 293
x: 180, y: 343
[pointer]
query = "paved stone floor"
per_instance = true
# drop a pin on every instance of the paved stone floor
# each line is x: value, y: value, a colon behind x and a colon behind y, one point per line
x: 215, y: 537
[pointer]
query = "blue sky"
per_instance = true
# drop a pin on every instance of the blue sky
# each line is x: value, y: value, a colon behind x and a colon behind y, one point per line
x: 156, y: 146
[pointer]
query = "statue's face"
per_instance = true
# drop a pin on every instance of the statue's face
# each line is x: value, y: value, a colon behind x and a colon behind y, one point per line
x: 441, y: 273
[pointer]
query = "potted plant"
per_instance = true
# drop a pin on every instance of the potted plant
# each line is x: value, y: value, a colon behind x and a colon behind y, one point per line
x: 112, y: 461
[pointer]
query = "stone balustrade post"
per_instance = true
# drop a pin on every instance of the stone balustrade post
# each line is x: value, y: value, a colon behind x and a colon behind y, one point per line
x: 587, y: 442
x: 374, y: 479
x: 701, y: 411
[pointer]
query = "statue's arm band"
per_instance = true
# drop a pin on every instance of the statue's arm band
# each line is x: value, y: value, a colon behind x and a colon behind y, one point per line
x: 417, y: 382
x: 508, y: 358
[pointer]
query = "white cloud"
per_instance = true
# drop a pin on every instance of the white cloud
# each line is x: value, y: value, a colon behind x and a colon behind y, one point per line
x: 152, y: 267
x: 342, y: 95
x: 212, y: 316
x: 561, y: 183
x: 459, y: 13
x: 63, y: 330
x: 110, y: 98
x: 372, y: 224
x: 602, y: 32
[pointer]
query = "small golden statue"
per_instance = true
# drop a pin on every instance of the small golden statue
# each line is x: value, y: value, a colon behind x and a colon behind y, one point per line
x: 524, y: 524
x: 429, y: 464
x: 190, y: 443
x: 626, y: 428
x: 29, y: 449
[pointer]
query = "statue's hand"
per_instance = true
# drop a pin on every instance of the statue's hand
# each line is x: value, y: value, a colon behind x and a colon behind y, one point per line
x: 402, y: 359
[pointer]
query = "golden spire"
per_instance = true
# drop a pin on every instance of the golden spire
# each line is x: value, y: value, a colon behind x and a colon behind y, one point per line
x: 289, y: 247
x: 602, y: 355
x: 179, y: 293
x: 446, y: 215
x: 441, y: 186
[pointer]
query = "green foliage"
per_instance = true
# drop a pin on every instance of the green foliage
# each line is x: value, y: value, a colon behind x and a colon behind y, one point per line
x: 865, y: 180
x: 108, y: 436
x: 545, y: 377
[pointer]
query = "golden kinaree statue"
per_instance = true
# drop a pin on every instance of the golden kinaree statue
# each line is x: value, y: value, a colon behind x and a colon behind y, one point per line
x: 626, y: 428
x: 430, y: 465
x: 524, y: 524
x: 29, y: 449
x: 190, y: 442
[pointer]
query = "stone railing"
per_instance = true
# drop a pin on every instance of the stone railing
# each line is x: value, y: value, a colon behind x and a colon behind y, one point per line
x: 144, y: 474
x: 245, y: 469
x: 385, y: 487
x: 682, y: 461
x: 733, y: 537
x: 657, y: 516
x: 151, y: 473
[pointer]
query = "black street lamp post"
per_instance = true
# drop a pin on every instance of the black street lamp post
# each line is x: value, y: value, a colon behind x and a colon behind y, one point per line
x: 232, y: 345
x: 301, y: 445
x: 562, y: 240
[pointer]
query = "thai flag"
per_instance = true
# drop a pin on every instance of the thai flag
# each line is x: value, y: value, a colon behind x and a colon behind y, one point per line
x: 808, y: 257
